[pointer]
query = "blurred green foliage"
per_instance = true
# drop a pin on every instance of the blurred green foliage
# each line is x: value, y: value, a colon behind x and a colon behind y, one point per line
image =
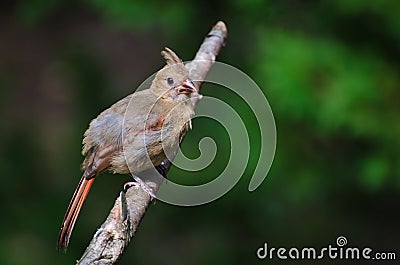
x: 330, y: 70
x: 142, y: 15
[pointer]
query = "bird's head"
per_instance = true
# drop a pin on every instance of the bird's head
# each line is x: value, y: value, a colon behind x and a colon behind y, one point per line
x: 173, y: 79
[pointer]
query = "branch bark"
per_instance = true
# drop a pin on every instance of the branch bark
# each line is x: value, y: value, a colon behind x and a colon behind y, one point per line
x: 114, y: 235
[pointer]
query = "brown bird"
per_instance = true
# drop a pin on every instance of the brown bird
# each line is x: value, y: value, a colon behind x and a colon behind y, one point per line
x: 135, y: 134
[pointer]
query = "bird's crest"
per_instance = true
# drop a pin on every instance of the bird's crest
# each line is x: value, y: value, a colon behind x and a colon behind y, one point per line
x: 170, y: 57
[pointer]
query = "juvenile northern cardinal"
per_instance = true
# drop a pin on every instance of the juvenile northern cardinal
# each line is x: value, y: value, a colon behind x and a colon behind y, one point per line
x: 135, y: 134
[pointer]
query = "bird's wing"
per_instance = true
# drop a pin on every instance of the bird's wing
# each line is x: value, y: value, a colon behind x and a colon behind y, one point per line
x: 104, y: 136
x: 106, y: 129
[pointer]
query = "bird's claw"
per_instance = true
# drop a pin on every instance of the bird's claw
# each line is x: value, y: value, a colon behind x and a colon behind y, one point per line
x: 141, y: 184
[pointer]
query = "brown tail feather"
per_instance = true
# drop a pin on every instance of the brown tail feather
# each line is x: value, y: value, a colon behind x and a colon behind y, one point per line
x: 73, y: 210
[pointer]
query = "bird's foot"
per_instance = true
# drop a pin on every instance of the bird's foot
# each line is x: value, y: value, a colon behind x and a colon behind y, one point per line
x: 141, y: 184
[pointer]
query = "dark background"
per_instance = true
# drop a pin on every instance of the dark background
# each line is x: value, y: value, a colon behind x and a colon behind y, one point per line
x: 330, y: 70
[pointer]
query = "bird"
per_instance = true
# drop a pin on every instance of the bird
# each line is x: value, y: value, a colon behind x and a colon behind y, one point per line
x: 135, y: 134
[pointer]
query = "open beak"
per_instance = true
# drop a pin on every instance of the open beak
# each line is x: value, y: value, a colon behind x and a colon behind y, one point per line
x: 186, y: 87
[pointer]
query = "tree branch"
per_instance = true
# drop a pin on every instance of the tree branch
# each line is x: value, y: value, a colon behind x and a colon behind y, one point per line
x: 114, y: 235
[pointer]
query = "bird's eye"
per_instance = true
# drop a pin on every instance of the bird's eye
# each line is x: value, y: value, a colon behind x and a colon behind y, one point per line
x: 170, y: 81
